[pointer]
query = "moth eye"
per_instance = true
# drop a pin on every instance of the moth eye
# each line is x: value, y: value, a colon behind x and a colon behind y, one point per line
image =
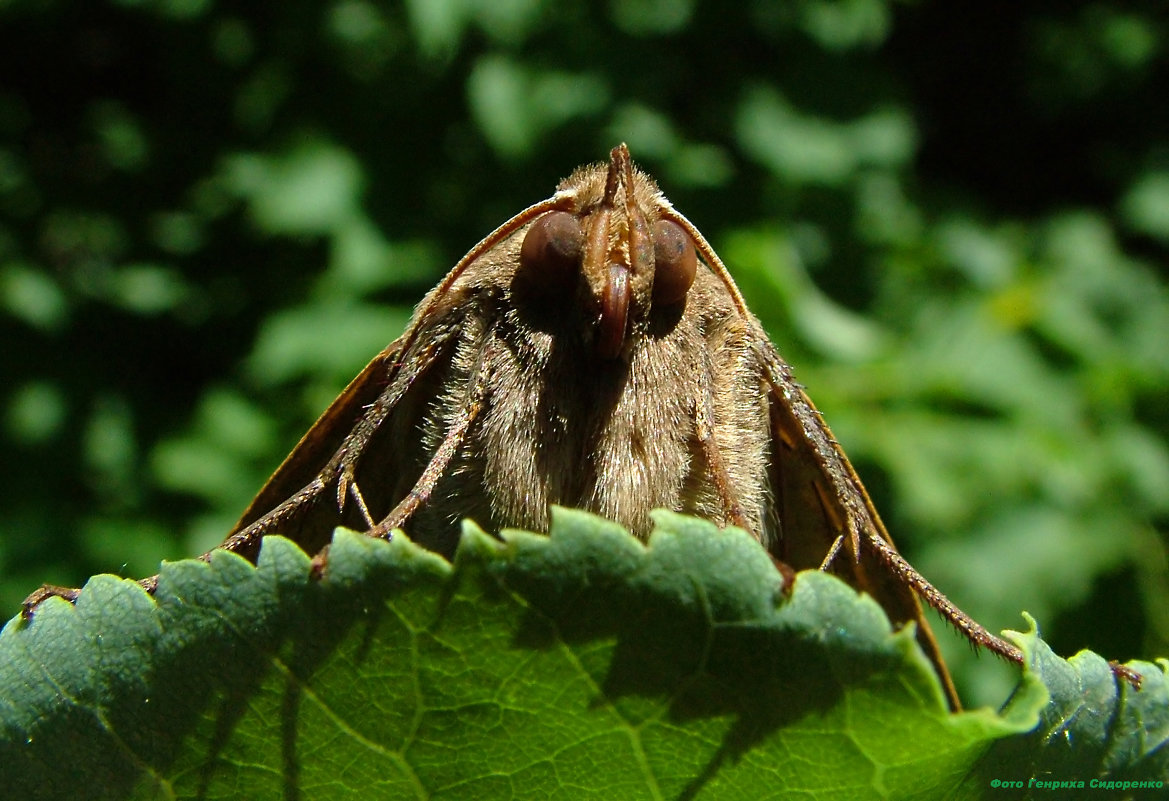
x: 552, y: 249
x: 675, y: 262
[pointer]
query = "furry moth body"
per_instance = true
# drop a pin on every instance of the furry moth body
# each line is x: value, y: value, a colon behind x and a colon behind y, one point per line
x: 593, y: 352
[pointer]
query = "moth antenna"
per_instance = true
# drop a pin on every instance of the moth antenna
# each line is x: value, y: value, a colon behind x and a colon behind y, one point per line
x: 711, y: 258
x: 562, y: 201
x: 408, y: 360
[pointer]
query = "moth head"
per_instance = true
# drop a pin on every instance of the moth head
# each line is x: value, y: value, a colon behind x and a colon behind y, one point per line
x: 612, y: 249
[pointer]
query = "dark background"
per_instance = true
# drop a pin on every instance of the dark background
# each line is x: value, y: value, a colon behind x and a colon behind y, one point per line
x: 952, y: 217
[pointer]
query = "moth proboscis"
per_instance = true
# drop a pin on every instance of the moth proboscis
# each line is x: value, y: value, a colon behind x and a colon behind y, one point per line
x: 594, y: 352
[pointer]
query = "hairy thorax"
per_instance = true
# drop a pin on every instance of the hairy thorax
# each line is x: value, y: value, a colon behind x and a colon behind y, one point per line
x: 618, y: 437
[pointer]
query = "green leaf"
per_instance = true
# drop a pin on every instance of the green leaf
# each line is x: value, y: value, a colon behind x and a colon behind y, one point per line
x: 1093, y: 728
x: 580, y: 665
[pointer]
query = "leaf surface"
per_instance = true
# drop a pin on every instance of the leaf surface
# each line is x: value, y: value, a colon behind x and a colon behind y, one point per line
x: 580, y: 665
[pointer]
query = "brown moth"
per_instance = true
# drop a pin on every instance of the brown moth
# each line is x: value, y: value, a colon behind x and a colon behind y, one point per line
x: 592, y: 352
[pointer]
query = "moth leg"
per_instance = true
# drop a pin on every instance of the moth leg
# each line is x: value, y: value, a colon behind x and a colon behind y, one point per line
x: 832, y: 515
x: 343, y: 465
x: 242, y: 540
x: 249, y: 536
x: 446, y: 451
x: 426, y: 483
x: 704, y: 431
x: 359, y: 499
x: 1126, y: 674
x: 833, y: 550
x: 973, y: 630
x: 853, y: 537
x: 44, y: 593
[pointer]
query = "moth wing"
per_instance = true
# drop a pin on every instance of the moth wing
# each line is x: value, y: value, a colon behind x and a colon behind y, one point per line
x: 321, y: 441
x: 820, y: 499
x: 302, y: 475
x: 375, y: 419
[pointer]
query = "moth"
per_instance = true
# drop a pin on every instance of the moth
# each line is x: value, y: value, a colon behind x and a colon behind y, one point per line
x: 593, y: 352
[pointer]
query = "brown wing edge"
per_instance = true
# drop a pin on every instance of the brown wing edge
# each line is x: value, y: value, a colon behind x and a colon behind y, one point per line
x: 839, y: 490
x: 319, y: 444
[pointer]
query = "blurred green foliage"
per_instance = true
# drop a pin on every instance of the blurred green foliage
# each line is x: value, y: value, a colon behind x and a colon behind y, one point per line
x: 954, y: 222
